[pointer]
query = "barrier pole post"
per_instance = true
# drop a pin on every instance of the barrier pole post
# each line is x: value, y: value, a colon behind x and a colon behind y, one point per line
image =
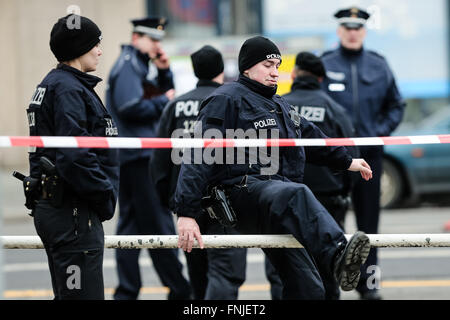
x: 1, y: 247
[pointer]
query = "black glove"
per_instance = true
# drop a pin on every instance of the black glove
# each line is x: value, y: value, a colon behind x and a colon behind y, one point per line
x: 105, y: 207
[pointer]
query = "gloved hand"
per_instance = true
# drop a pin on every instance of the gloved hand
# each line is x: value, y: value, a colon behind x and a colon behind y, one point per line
x: 105, y: 207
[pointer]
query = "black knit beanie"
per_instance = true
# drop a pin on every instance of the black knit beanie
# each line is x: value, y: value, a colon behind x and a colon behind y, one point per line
x: 255, y: 50
x: 72, y: 36
x: 309, y: 62
x: 207, y: 63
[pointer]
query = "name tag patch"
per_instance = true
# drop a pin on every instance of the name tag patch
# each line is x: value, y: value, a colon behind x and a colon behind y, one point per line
x: 110, y: 130
x: 336, y: 76
x: 270, y: 122
x: 336, y: 87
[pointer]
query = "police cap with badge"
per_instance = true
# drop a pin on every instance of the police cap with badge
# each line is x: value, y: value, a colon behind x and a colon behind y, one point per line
x: 352, y: 18
x: 152, y: 27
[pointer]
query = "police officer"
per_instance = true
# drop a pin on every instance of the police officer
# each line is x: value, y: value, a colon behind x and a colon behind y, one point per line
x: 362, y: 82
x: 79, y: 186
x: 272, y: 201
x: 332, y: 189
x: 217, y: 273
x: 136, y: 96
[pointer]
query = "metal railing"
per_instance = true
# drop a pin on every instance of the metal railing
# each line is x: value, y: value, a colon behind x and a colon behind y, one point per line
x: 236, y: 241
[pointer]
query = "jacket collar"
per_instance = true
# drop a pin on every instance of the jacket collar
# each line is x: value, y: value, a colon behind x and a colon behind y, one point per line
x: 305, y: 82
x: 350, y: 53
x: 207, y: 83
x: 87, y: 79
x: 141, y: 56
x: 257, y: 87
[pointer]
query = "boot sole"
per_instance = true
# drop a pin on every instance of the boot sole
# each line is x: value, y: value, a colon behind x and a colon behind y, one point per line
x: 356, y: 254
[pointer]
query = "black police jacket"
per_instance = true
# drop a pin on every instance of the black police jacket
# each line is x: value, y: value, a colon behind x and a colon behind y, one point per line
x: 134, y: 101
x: 246, y: 104
x: 316, y: 106
x: 65, y: 104
x: 364, y: 85
x: 180, y: 113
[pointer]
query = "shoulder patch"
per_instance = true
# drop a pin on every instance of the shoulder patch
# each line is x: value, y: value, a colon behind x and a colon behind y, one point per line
x: 38, y: 96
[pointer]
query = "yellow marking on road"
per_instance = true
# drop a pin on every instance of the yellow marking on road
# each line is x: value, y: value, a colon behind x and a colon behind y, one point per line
x: 30, y: 293
x: 415, y: 283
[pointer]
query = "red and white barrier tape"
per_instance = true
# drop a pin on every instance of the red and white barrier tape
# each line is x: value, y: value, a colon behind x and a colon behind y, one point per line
x: 145, y: 143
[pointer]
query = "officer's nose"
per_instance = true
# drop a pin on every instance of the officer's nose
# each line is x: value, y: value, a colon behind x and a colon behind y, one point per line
x: 100, y: 52
x: 274, y: 72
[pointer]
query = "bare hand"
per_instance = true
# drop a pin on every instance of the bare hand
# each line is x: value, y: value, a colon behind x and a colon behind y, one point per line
x: 161, y: 60
x: 170, y: 94
x: 188, y: 230
x: 363, y: 167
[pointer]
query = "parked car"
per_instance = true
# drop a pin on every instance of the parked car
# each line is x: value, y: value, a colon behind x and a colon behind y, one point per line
x: 412, y: 171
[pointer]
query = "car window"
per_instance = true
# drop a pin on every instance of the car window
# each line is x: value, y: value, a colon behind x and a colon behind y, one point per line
x: 439, y: 119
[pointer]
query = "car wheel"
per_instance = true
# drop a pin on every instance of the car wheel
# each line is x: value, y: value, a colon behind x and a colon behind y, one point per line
x: 391, y: 185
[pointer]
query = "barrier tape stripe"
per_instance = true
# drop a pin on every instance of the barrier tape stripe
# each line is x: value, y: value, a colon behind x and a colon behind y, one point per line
x: 146, y: 143
x: 236, y: 241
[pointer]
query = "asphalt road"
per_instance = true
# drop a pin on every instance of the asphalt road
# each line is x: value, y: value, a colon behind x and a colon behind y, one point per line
x: 406, y: 273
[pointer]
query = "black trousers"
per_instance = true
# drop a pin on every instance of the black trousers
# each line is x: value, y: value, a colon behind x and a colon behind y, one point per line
x: 73, y: 238
x: 216, y: 274
x: 366, y: 204
x: 141, y: 213
x: 283, y: 207
x: 337, y: 210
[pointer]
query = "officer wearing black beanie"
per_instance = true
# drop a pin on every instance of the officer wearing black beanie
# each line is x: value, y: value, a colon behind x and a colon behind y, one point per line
x: 209, y: 272
x: 207, y: 62
x: 269, y: 196
x: 72, y: 36
x: 80, y: 192
x: 307, y: 61
x: 330, y: 188
x: 255, y: 50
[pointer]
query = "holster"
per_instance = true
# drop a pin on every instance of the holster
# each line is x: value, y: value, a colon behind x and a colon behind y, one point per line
x: 32, y: 190
x: 218, y: 207
x: 52, y: 190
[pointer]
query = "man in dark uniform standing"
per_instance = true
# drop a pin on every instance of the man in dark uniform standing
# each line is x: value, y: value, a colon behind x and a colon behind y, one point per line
x: 332, y: 189
x: 362, y: 82
x: 136, y: 96
x: 270, y: 198
x: 217, y: 273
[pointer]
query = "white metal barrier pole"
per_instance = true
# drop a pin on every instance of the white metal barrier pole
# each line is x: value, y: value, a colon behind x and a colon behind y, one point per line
x: 1, y: 247
x: 237, y: 241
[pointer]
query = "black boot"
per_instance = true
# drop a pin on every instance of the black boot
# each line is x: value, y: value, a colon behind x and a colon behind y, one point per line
x: 349, y: 260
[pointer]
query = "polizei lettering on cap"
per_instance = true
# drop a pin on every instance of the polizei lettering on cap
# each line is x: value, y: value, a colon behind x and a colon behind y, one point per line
x: 273, y: 56
x: 265, y: 123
